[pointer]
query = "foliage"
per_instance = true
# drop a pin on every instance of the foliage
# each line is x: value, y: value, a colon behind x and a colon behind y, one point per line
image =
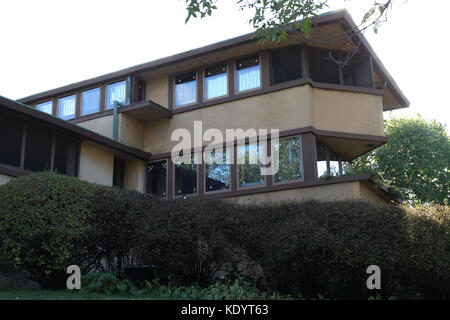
x: 43, y: 226
x: 108, y: 283
x: 415, y: 162
x: 274, y: 19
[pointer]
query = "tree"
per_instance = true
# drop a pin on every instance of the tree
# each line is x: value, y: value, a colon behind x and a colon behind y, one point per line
x: 415, y: 161
x: 274, y: 19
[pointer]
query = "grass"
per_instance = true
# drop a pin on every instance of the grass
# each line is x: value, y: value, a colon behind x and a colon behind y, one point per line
x: 67, y: 295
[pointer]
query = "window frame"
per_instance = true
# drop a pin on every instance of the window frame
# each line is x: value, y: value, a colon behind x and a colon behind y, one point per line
x: 227, y: 73
x: 174, y: 180
x: 99, y: 87
x: 174, y: 90
x: 265, y: 180
x: 167, y: 177
x: 106, y: 84
x: 236, y: 91
x: 205, y: 174
x: 58, y: 105
x: 302, y: 179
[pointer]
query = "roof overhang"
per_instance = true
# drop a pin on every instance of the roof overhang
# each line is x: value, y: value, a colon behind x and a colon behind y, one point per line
x: 85, y: 134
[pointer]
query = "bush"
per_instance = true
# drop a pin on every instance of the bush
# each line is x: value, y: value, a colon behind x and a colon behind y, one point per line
x: 43, y: 226
x: 107, y: 283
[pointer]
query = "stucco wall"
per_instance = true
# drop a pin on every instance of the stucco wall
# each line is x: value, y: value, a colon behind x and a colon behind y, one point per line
x: 103, y: 125
x: 96, y: 164
x: 157, y: 90
x: 356, y: 190
x: 286, y: 109
x: 131, y: 131
x: 347, y: 112
x: 4, y: 179
x: 135, y: 172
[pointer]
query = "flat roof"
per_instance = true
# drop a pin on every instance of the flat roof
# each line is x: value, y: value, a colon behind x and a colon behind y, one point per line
x: 53, y: 121
x: 336, y: 16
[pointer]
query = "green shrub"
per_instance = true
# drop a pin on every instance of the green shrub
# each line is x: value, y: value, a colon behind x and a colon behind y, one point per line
x: 107, y: 283
x: 190, y: 240
x: 43, y: 226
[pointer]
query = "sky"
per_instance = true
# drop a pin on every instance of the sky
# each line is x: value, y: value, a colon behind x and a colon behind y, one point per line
x: 46, y: 44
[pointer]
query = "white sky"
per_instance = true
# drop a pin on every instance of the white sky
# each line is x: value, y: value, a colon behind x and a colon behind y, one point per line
x: 47, y: 44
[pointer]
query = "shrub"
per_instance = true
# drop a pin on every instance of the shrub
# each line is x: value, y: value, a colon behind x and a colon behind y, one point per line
x: 107, y: 283
x: 190, y: 240
x: 43, y: 226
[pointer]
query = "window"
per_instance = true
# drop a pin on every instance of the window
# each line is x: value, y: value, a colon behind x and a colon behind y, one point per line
x: 321, y: 66
x: 66, y: 107
x: 286, y: 64
x: 322, y: 169
x: 290, y: 160
x: 185, y: 89
x: 38, y: 149
x: 116, y: 93
x: 334, y: 163
x: 118, y: 173
x: 249, y: 165
x: 248, y: 74
x: 216, y: 82
x: 217, y: 169
x: 90, y: 101
x: 358, y: 72
x: 347, y: 168
x: 11, y: 132
x: 186, y: 176
x: 157, y: 178
x: 46, y: 107
x: 66, y: 152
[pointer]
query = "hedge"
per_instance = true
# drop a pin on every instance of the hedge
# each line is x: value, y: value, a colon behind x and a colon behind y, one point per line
x: 49, y: 221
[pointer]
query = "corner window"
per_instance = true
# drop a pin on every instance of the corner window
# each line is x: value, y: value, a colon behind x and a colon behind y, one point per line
x: 66, y: 107
x: 248, y: 74
x: 286, y: 64
x: 322, y: 67
x: 116, y: 93
x: 66, y: 151
x: 249, y: 165
x: 90, y: 101
x: 157, y: 178
x: 119, y: 173
x: 322, y: 169
x: 45, y: 107
x: 38, y: 149
x: 186, y: 176
x: 290, y: 160
x: 185, y: 89
x: 217, y: 168
x: 216, y: 82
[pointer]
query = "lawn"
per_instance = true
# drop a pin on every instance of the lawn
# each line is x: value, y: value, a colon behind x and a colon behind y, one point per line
x: 67, y: 295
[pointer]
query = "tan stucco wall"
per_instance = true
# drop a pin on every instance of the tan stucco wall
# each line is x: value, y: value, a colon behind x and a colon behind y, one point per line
x: 131, y: 131
x: 331, y: 192
x: 4, y: 178
x: 157, y: 90
x: 286, y: 109
x: 135, y: 171
x: 96, y: 164
x: 347, y: 112
x: 341, y: 191
x: 103, y: 125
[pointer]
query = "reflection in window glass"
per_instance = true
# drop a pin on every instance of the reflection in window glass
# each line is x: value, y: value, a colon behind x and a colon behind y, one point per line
x: 248, y: 74
x: 346, y: 168
x: 45, y: 107
x: 66, y: 107
x: 90, y: 101
x: 217, y: 171
x: 249, y: 165
x: 116, y: 92
x: 216, y: 82
x: 186, y: 176
x: 290, y: 159
x: 157, y: 178
x: 185, y: 89
x: 334, y: 163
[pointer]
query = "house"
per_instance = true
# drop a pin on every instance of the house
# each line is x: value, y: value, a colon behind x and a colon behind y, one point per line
x: 326, y: 95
